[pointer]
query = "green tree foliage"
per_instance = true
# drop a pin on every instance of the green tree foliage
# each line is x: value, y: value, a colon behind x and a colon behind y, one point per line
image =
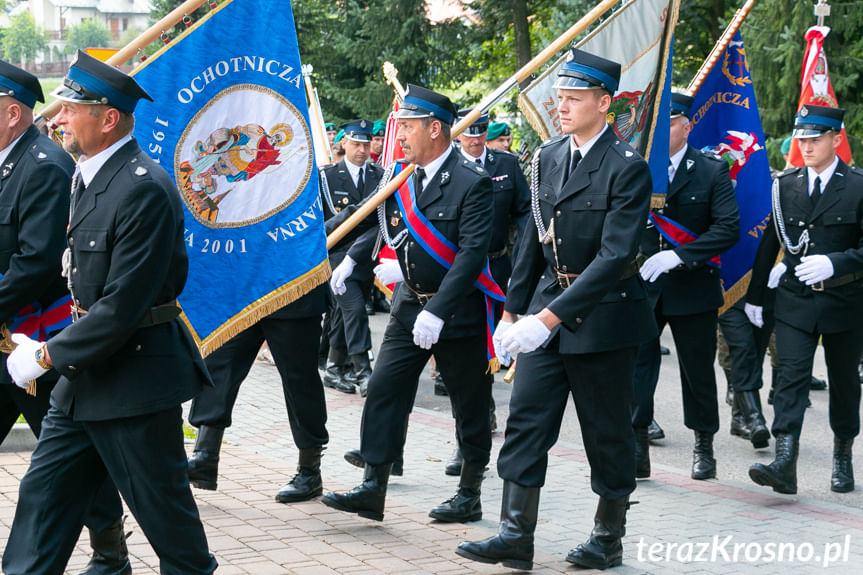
x: 22, y: 40
x: 87, y: 34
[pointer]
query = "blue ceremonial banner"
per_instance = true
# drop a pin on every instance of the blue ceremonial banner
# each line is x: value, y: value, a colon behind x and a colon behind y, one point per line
x: 726, y: 121
x: 659, y: 147
x: 229, y: 122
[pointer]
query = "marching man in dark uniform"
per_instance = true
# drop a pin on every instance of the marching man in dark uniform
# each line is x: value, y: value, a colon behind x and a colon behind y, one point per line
x: 34, y: 211
x: 681, y: 245
x: 818, y: 223
x: 576, y: 278
x: 128, y: 362
x: 437, y: 310
x: 345, y: 183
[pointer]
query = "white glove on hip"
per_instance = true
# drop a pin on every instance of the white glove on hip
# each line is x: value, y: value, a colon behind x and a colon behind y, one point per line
x: 21, y: 363
x: 427, y: 328
x: 525, y: 335
x: 342, y: 272
x: 658, y: 264
x: 389, y: 272
x: 814, y: 269
x: 775, y: 275
x: 499, y: 331
x: 755, y: 314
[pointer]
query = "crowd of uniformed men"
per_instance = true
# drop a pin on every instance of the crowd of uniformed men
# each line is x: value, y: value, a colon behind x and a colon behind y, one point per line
x: 589, y: 284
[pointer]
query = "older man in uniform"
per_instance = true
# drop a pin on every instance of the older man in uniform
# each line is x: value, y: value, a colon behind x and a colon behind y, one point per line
x: 345, y: 183
x: 437, y: 310
x: 681, y: 245
x: 818, y: 224
x: 576, y: 278
x: 34, y: 207
x: 128, y: 362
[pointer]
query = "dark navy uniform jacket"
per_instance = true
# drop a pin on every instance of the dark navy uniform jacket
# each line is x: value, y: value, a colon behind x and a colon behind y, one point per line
x: 511, y: 196
x: 598, y: 215
x: 835, y: 228
x: 128, y: 255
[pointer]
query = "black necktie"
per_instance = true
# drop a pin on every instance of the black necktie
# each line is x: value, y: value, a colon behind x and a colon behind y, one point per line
x: 361, y: 184
x: 419, y: 174
x: 478, y: 162
x: 576, y: 158
x: 816, y: 192
x: 77, y: 188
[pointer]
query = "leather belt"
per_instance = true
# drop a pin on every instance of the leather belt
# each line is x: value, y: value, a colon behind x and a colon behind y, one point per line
x: 164, y: 313
x: 422, y: 298
x: 793, y: 283
x: 565, y: 279
x: 498, y: 254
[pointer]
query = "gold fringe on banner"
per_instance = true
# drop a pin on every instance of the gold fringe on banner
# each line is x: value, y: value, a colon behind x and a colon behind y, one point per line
x: 735, y: 292
x: 258, y: 310
x: 532, y: 117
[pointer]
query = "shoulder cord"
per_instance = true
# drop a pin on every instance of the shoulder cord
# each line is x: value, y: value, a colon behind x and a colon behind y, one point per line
x: 545, y: 236
x: 396, y: 242
x: 779, y: 223
x: 325, y: 188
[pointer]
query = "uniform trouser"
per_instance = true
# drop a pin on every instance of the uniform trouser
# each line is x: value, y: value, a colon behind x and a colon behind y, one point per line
x: 601, y: 387
x: 747, y: 345
x: 107, y: 508
x: 393, y: 385
x: 144, y: 455
x: 695, y: 341
x: 349, y: 323
x: 293, y: 343
x: 796, y: 350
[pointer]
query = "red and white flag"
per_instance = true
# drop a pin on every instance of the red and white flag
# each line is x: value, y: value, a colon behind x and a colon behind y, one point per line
x: 392, y: 150
x: 816, y: 87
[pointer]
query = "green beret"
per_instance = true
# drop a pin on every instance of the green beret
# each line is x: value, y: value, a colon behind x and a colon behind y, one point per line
x: 330, y: 126
x: 339, y: 136
x: 378, y: 128
x: 496, y: 130
x: 786, y: 145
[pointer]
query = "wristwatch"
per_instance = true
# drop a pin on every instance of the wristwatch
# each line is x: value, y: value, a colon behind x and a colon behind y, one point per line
x: 40, y: 358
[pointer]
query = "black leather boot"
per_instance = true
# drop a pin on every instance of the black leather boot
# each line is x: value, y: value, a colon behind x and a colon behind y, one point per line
x: 453, y: 466
x: 361, y: 373
x: 110, y: 555
x: 750, y: 405
x: 604, y: 548
x: 738, y: 425
x: 654, y: 432
x: 367, y: 499
x: 781, y: 473
x: 204, y: 463
x: 513, y: 545
x: 465, y: 505
x: 306, y: 483
x: 334, y: 374
x: 355, y: 458
x: 642, y: 453
x: 703, y: 463
x: 729, y: 390
x: 816, y: 384
x: 842, y: 480
x: 439, y: 386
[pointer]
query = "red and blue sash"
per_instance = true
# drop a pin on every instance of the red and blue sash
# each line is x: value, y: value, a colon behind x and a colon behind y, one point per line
x: 444, y: 252
x: 36, y: 323
x: 677, y: 234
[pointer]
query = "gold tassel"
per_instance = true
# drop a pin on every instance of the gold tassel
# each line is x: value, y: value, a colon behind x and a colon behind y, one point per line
x: 657, y: 201
x: 493, y: 365
x: 31, y: 389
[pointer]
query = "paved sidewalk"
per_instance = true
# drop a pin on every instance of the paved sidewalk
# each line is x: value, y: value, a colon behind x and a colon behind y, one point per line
x: 678, y: 526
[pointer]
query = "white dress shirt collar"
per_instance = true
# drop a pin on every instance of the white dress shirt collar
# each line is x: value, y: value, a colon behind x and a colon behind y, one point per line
x: 585, y: 148
x: 481, y: 158
x: 675, y: 161
x: 825, y: 175
x: 432, y: 167
x: 89, y: 167
x: 354, y: 171
x: 4, y: 153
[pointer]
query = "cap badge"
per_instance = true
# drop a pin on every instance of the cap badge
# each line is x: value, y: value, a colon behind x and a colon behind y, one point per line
x: 804, y: 111
x: 362, y: 123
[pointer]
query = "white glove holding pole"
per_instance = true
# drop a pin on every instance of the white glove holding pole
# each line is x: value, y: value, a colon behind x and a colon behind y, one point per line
x: 389, y: 272
x: 342, y: 272
x: 658, y: 264
x: 814, y: 269
x: 775, y: 275
x: 21, y: 363
x: 755, y: 314
x: 499, y: 331
x: 525, y: 335
x: 427, y: 328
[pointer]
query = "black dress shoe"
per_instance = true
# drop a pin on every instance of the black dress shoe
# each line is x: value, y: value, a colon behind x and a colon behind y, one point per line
x: 664, y: 350
x: 817, y: 384
x: 367, y: 499
x: 306, y: 484
x: 465, y: 505
x: 604, y: 548
x: 203, y: 469
x: 654, y: 432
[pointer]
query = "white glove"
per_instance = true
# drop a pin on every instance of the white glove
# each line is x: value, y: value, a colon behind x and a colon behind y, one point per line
x: 755, y: 314
x: 814, y: 269
x: 427, y: 329
x: 342, y: 272
x: 525, y: 335
x: 21, y: 363
x: 775, y: 275
x: 389, y: 272
x: 659, y: 263
x: 499, y: 331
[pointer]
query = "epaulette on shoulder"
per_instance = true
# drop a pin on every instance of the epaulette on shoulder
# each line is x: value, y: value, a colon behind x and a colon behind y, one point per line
x: 710, y: 155
x: 138, y: 169
x: 786, y: 172
x: 553, y: 140
x: 40, y: 153
x: 856, y: 170
x: 625, y: 151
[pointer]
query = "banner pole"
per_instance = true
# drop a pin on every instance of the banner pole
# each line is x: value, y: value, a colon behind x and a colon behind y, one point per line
x: 719, y: 47
x: 316, y: 119
x: 524, y: 73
